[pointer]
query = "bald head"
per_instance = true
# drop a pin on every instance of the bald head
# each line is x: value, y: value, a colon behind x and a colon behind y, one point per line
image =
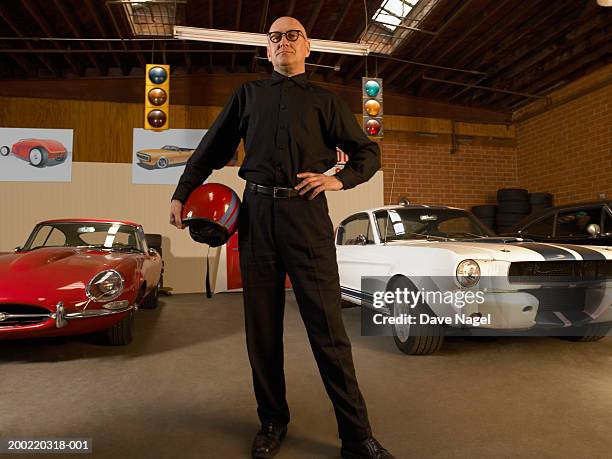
x: 285, y: 23
x: 288, y: 57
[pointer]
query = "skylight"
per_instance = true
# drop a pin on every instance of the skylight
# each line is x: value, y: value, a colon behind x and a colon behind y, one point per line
x: 393, y: 22
x: 392, y: 12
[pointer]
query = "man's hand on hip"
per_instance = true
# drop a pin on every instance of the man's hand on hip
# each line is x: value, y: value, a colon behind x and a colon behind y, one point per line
x: 317, y: 183
x: 176, y: 208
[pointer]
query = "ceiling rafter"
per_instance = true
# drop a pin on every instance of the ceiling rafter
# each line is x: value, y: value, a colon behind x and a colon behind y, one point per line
x: 332, y: 36
x: 45, y: 60
x: 314, y: 16
x: 139, y: 55
x: 479, y: 22
x: 439, y: 32
x: 562, y: 64
x: 102, y: 69
x: 504, y: 71
x: 521, y: 25
x: 46, y: 28
x: 28, y: 67
x: 101, y: 29
x: 236, y: 27
x: 210, y: 25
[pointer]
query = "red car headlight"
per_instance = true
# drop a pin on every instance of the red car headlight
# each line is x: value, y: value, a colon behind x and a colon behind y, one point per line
x: 105, y: 286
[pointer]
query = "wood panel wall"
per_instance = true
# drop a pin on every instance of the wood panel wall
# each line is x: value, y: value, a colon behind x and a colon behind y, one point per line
x: 102, y: 130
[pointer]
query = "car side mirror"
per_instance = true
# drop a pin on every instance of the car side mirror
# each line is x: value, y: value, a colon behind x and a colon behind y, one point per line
x: 361, y: 240
x: 17, y: 249
x: 152, y: 252
x: 593, y: 229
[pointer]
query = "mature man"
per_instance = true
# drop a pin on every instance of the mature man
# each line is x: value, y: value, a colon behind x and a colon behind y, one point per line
x: 291, y: 129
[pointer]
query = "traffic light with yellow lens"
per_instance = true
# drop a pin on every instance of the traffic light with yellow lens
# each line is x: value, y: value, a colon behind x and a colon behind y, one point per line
x: 157, y: 97
x: 372, y: 106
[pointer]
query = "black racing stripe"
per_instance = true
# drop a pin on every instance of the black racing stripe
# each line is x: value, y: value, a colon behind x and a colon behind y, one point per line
x: 357, y: 294
x: 549, y: 252
x: 585, y: 252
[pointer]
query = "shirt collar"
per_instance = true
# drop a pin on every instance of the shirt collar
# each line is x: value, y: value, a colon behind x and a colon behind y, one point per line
x: 300, y: 79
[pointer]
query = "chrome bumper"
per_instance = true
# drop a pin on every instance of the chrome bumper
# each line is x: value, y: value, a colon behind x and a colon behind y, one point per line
x: 61, y: 317
x: 109, y: 309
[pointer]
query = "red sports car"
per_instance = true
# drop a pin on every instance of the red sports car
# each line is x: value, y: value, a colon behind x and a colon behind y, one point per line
x: 78, y: 276
x: 39, y: 152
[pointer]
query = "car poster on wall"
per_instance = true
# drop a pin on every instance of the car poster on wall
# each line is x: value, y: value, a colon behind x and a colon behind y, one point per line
x: 160, y: 157
x: 35, y: 155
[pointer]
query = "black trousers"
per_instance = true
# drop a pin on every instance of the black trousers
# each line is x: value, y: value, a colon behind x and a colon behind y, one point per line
x: 295, y: 236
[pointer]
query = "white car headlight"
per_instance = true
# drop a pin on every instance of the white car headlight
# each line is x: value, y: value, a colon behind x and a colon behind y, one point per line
x: 468, y: 273
x: 105, y: 286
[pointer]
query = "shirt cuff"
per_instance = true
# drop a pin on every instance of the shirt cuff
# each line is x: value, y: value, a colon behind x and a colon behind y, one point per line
x: 345, y: 176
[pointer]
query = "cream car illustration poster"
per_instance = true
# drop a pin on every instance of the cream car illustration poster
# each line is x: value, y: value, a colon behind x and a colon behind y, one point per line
x: 35, y: 155
x: 160, y: 157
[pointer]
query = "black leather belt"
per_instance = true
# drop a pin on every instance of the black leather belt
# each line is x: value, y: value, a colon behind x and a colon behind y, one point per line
x: 275, y: 191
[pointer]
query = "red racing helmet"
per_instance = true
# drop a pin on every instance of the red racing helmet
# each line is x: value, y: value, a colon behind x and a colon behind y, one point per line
x: 211, y: 213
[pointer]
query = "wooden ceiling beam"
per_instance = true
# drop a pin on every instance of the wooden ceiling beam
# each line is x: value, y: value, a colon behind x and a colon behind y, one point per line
x: 210, y: 25
x: 537, y: 63
x: 560, y: 65
x: 46, y: 28
x: 102, y: 31
x: 484, y: 17
x: 332, y: 36
x: 312, y: 20
x: 102, y: 69
x: 139, y: 55
x: 42, y: 58
x: 28, y: 67
x: 500, y: 41
x: 440, y: 32
x: 236, y: 27
x: 291, y: 8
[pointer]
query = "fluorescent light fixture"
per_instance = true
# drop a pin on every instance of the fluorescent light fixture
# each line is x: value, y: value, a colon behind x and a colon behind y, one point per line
x: 261, y: 39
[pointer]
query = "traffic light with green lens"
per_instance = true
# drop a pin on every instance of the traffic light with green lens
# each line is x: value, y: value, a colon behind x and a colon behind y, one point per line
x: 372, y: 106
x: 157, y: 97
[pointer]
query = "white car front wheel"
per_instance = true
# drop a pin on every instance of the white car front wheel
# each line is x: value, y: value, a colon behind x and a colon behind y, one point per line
x: 414, y: 338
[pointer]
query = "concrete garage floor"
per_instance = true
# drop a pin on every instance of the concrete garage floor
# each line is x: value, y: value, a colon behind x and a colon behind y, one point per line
x: 182, y: 390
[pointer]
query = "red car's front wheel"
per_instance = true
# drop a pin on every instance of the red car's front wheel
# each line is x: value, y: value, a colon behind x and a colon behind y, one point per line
x: 122, y: 332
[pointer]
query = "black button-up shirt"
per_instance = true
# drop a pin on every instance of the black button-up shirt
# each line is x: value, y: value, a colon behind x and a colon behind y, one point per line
x: 289, y: 125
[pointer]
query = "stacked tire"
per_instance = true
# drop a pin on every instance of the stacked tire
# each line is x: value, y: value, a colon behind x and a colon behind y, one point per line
x: 514, y: 205
x: 486, y: 214
x: 540, y: 202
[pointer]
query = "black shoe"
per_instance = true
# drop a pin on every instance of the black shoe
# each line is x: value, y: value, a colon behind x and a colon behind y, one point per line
x: 366, y: 449
x: 268, y: 440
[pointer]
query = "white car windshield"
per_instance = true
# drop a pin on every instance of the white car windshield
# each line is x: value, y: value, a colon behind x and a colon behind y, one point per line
x: 431, y: 224
x: 113, y: 236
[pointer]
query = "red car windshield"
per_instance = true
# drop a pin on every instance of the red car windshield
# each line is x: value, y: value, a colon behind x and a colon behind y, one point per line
x: 114, y: 236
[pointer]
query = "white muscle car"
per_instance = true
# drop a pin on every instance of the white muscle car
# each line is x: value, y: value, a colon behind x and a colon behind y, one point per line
x: 424, y: 272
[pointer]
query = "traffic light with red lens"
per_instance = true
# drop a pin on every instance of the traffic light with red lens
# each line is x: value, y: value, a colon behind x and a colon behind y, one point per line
x: 157, y: 97
x: 372, y: 106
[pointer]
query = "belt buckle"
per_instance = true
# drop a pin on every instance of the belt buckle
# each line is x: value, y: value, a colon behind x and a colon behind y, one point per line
x: 278, y: 188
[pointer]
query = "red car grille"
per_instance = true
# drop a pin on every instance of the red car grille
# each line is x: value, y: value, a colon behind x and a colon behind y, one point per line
x: 21, y: 314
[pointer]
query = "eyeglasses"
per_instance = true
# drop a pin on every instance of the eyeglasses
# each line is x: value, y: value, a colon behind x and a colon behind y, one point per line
x: 292, y: 35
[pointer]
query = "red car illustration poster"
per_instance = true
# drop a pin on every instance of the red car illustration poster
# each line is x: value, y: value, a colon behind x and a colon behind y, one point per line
x: 35, y: 155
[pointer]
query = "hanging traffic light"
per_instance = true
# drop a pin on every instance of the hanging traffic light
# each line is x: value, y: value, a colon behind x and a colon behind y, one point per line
x: 372, y: 106
x: 157, y: 97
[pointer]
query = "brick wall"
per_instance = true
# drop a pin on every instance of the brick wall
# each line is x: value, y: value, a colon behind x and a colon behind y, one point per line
x: 567, y: 150
x: 426, y: 172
